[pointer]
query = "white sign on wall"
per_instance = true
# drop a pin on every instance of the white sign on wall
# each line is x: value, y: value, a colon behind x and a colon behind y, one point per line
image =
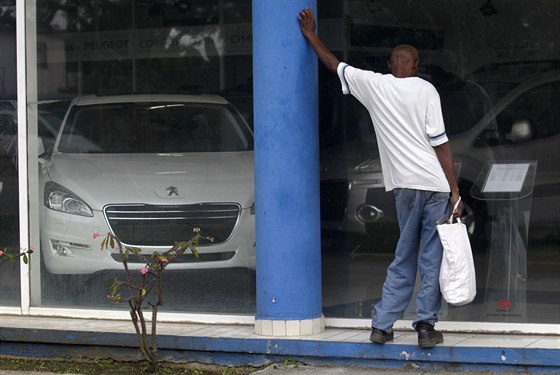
x: 199, y: 41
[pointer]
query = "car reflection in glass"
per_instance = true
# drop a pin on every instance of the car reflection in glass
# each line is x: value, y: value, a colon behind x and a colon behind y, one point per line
x: 523, y: 125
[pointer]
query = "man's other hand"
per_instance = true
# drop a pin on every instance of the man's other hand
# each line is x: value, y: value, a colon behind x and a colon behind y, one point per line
x: 459, y: 210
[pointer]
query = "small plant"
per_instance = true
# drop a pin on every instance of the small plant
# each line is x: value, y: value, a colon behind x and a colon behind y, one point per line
x: 5, y: 255
x: 138, y: 289
x: 290, y: 362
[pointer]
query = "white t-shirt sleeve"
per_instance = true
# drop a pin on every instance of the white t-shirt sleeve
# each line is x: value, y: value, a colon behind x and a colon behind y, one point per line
x: 340, y: 71
x: 356, y: 82
x: 435, y: 127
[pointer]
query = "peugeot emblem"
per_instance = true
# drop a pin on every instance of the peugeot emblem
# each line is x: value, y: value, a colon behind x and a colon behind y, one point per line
x: 172, y: 190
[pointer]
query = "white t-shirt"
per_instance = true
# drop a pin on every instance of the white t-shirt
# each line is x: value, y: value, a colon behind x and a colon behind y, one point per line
x: 408, y: 123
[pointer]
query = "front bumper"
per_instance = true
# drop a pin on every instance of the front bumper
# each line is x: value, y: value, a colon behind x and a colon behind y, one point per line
x: 71, y: 244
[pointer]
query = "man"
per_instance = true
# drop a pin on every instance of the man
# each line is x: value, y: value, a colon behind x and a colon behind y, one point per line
x: 417, y: 164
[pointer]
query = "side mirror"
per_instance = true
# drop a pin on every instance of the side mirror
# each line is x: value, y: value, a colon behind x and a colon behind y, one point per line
x: 521, y: 131
x: 41, y: 152
x: 488, y: 137
x: 40, y: 147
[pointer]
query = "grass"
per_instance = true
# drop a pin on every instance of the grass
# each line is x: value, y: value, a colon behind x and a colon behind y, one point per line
x: 85, y: 366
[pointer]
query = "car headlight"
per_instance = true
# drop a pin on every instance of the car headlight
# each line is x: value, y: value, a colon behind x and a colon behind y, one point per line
x: 61, y: 199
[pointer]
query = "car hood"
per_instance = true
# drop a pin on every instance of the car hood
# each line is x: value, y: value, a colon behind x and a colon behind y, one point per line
x: 342, y: 161
x: 155, y: 178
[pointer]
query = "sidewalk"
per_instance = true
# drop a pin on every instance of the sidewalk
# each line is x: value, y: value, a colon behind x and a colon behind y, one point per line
x: 318, y: 370
x: 334, y: 351
x: 279, y: 369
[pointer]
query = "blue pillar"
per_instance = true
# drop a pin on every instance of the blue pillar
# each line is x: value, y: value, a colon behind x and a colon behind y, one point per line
x: 286, y: 170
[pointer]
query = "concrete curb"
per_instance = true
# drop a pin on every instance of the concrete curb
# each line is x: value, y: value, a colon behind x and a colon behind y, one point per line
x: 262, y: 351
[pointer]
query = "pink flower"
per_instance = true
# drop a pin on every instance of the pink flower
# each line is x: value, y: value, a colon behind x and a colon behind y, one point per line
x: 95, y: 235
x: 1, y: 252
x: 144, y: 270
x: 164, y: 260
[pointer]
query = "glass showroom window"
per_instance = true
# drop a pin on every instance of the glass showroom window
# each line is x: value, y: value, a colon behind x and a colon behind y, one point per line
x: 9, y: 209
x: 132, y: 146
x: 115, y: 166
x: 496, y: 67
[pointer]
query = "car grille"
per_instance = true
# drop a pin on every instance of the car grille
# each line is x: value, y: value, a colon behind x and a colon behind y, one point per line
x: 185, y: 258
x: 163, y: 225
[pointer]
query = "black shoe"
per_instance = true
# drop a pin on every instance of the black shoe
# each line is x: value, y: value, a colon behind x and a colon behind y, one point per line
x: 428, y: 337
x: 380, y: 337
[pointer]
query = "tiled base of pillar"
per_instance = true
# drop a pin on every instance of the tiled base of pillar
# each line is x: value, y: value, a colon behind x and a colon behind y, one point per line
x: 282, y: 328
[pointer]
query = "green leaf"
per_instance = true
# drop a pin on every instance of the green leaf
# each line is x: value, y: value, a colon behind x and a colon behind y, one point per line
x: 135, y: 250
x: 25, y: 260
x: 194, y: 251
x: 143, y: 292
x: 114, y: 286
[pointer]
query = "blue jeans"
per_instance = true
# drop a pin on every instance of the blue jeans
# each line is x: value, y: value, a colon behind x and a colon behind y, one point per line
x: 419, y: 248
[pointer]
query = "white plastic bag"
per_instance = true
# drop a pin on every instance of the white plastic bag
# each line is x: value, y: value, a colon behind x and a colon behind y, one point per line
x: 457, y: 277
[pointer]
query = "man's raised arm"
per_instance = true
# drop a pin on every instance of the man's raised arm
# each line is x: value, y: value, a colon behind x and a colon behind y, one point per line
x: 307, y: 24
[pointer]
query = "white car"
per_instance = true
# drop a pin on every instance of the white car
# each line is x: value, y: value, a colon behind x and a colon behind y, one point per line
x: 148, y: 168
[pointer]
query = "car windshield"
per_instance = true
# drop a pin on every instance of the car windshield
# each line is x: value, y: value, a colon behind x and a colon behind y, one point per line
x: 154, y: 127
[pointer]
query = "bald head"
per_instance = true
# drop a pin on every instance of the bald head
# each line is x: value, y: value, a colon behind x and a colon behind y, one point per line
x: 404, y: 61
